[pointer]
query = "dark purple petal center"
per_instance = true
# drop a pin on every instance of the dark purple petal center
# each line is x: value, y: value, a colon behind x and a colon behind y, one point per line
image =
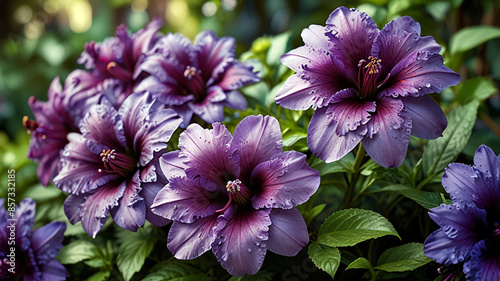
x: 120, y: 163
x: 194, y: 83
x: 238, y: 193
x: 368, y: 74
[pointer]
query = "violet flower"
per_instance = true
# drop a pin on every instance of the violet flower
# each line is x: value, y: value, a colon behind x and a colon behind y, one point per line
x: 469, y: 232
x: 118, y: 58
x: 235, y: 194
x: 200, y: 78
x: 366, y: 85
x: 110, y: 167
x: 34, y: 252
x: 58, y: 117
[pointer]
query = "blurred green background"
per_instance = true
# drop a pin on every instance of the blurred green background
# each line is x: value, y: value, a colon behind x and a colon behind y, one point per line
x: 42, y: 39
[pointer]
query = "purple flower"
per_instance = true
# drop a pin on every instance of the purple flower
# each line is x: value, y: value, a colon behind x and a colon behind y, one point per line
x: 199, y: 78
x: 34, y: 252
x: 235, y: 194
x: 56, y: 118
x: 366, y: 85
x: 469, y: 230
x: 110, y: 167
x: 118, y: 58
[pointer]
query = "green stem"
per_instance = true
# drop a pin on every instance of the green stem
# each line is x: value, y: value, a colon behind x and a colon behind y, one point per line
x: 354, y: 176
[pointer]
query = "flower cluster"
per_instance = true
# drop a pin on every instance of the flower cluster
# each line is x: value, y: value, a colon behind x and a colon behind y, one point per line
x: 235, y: 194
x: 26, y: 253
x: 469, y: 232
x: 366, y: 85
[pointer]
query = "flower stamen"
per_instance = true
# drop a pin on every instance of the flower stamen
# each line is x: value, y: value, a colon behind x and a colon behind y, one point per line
x: 194, y: 83
x: 117, y: 163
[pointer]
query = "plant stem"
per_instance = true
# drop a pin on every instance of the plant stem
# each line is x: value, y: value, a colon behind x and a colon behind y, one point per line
x: 354, y: 176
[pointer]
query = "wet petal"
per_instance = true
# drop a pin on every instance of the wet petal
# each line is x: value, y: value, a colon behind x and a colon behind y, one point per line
x: 399, y: 39
x: 461, y: 228
x: 131, y: 210
x: 190, y: 240
x: 94, y: 211
x: 172, y: 165
x: 284, y: 181
x: 352, y: 34
x: 256, y: 139
x: 388, y: 133
x: 206, y: 153
x: 287, y: 233
x: 323, y: 140
x: 319, y: 77
x: 427, y: 118
x: 484, y: 263
x: 241, y: 245
x: 186, y: 201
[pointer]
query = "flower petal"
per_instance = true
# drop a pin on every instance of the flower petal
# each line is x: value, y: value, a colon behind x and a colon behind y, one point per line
x: 131, y: 210
x: 349, y: 111
x: 80, y: 168
x: 207, y: 110
x: 53, y: 271
x: 190, y: 240
x: 206, y: 153
x: 486, y: 161
x: 319, y: 77
x: 94, y: 211
x: 427, y: 118
x: 185, y: 201
x: 388, y: 133
x: 149, y: 192
x: 172, y: 165
x: 25, y: 217
x: 213, y: 54
x: 323, y: 140
x: 237, y: 76
x: 47, y: 241
x: 284, y: 181
x: 399, y: 39
x: 460, y: 181
x: 235, y: 100
x: 256, y: 139
x: 287, y: 233
x: 73, y: 207
x: 351, y: 34
x: 419, y: 74
x: 462, y: 226
x: 240, y: 247
x: 484, y: 263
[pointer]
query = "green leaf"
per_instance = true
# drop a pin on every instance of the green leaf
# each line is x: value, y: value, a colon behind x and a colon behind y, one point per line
x: 176, y: 271
x: 352, y: 226
x: 324, y: 257
x: 290, y: 139
x: 77, y: 251
x: 99, y: 276
x: 471, y: 37
x: 344, y: 165
x: 425, y: 199
x: 312, y: 213
x: 259, y: 276
x: 477, y: 88
x: 406, y: 257
x: 440, y: 152
x: 361, y: 263
x: 134, y: 249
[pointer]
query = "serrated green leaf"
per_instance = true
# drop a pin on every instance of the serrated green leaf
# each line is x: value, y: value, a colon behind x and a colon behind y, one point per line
x: 477, y: 88
x: 77, y: 251
x: 471, y: 37
x: 440, y: 152
x: 324, y: 257
x: 134, y: 249
x: 425, y: 199
x: 352, y: 226
x: 176, y: 271
x: 360, y: 263
x: 259, y: 276
x: 406, y: 257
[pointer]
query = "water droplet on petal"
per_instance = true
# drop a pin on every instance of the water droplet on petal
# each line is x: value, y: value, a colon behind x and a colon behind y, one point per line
x: 249, y: 250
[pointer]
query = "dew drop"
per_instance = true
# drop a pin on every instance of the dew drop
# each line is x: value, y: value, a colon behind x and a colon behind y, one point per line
x: 249, y: 250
